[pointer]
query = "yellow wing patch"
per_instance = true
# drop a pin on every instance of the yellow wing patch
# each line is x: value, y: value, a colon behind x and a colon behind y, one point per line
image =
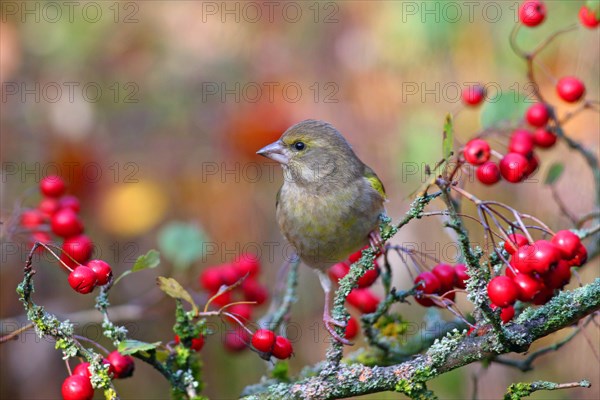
x: 374, y: 181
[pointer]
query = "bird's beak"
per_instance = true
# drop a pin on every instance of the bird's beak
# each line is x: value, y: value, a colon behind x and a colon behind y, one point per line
x: 276, y: 151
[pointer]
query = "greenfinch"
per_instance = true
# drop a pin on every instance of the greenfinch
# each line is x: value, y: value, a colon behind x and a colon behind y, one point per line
x: 330, y: 202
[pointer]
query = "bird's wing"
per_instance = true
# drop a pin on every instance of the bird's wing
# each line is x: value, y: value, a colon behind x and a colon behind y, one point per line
x: 374, y: 181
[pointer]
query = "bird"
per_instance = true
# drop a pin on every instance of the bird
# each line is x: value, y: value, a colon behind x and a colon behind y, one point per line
x: 330, y: 202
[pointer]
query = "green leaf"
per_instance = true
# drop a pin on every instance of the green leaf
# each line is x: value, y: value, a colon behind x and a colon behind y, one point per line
x: 554, y: 173
x: 509, y: 106
x: 448, y: 138
x: 172, y: 288
x: 149, y: 260
x: 131, y: 346
x: 182, y: 243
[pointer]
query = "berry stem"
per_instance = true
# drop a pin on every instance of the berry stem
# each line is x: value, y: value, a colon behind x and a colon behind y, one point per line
x: 497, y: 154
x: 96, y: 344
x: 545, y: 227
x: 221, y: 291
x: 68, y: 366
x: 550, y: 39
x: 47, y: 247
x: 466, y: 194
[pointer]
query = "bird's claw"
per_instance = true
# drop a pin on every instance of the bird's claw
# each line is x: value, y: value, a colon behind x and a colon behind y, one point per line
x: 376, y: 241
x: 329, y: 323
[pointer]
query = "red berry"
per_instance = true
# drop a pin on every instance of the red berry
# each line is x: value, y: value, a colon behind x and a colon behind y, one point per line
x: 247, y: 264
x: 52, y: 186
x: 211, y: 279
x: 338, y: 271
x: 537, y: 115
x: 229, y: 274
x: 254, y: 291
x: 123, y: 365
x: 532, y: 12
x: 65, y: 223
x: 354, y: 257
x: 31, y: 219
x: 580, y: 258
x: 236, y: 341
x: 263, y: 340
x: 588, y: 18
x: 477, y: 151
x: 502, y: 291
x: 196, y: 344
x: 567, y: 242
x: 82, y: 279
x: 77, y: 387
x: 539, y: 257
x: 351, y: 329
x: 544, y: 138
x: 517, y: 239
x: 570, y: 89
x: 71, y: 202
x: 533, y: 163
x: 243, y: 312
x: 558, y: 277
x: 79, y: 247
x: 83, y: 370
x: 528, y: 286
x: 446, y: 275
x: 513, y: 167
x: 543, y: 296
x: 222, y: 300
x: 460, y: 271
x: 48, y: 206
x: 102, y: 270
x: 364, y: 300
x: 488, y: 173
x: 506, y: 313
x: 369, y: 277
x: 431, y: 285
x: 521, y: 142
x: 473, y: 95
x: 283, y: 348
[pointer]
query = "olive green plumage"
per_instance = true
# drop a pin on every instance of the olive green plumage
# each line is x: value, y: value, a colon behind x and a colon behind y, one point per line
x: 330, y: 201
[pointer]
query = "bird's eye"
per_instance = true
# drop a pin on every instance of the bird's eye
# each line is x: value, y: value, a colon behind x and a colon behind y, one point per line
x: 299, y: 146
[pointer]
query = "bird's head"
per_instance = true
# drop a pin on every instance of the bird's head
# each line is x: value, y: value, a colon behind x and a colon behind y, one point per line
x: 313, y: 152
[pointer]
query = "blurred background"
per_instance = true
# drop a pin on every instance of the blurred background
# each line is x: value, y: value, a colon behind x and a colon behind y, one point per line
x: 153, y: 112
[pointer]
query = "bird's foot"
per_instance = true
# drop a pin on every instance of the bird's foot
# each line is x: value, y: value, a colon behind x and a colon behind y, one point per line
x: 376, y: 241
x: 330, y: 322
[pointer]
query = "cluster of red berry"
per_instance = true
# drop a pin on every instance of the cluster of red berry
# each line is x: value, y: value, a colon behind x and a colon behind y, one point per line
x: 440, y: 282
x: 533, y: 12
x: 78, y: 385
x: 213, y: 278
x: 362, y: 298
x: 59, y: 211
x: 520, y: 160
x: 536, y: 270
x: 266, y: 342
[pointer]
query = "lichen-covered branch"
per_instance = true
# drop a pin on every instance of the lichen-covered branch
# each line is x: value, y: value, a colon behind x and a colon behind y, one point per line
x: 451, y: 352
x: 517, y: 391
